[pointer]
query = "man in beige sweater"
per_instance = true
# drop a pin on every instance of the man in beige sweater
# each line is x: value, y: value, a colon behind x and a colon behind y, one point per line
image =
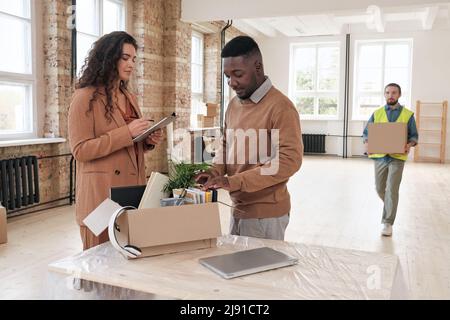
x: 261, y: 146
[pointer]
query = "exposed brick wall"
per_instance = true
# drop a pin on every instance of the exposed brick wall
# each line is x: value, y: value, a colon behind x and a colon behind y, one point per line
x: 162, y: 81
x: 57, y: 64
x: 212, y: 60
x: 148, y: 28
x: 163, y: 72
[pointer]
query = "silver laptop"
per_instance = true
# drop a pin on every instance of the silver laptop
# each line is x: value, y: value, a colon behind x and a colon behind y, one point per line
x: 247, y: 262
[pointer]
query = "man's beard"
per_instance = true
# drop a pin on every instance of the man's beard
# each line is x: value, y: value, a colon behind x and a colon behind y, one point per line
x: 392, y: 103
x: 245, y: 96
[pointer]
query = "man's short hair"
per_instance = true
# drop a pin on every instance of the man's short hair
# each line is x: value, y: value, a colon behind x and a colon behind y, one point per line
x: 394, y: 85
x: 240, y: 46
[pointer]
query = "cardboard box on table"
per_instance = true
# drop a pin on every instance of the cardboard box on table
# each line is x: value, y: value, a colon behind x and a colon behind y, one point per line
x: 170, y: 229
x: 159, y: 230
x: 387, y: 137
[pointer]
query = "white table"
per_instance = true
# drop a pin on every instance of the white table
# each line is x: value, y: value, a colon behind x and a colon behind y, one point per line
x: 321, y: 273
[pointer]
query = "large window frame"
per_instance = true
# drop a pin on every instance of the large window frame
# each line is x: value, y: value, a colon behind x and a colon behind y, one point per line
x: 197, y: 91
x: 26, y: 79
x: 377, y: 96
x: 315, y: 93
x: 98, y: 27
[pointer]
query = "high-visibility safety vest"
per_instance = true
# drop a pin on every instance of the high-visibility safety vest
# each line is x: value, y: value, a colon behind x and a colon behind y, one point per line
x: 380, y: 116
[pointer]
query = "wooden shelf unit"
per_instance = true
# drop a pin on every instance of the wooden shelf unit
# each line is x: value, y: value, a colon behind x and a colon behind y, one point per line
x: 422, y: 116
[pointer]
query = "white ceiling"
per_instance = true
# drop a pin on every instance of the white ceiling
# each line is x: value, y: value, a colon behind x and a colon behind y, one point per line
x: 372, y: 19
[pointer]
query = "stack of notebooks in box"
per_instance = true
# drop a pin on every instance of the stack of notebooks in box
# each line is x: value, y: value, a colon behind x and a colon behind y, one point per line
x: 196, y: 196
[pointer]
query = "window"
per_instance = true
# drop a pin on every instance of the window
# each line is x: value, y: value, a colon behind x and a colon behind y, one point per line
x: 314, y: 81
x: 17, y: 74
x: 378, y: 63
x: 95, y: 18
x: 197, y: 104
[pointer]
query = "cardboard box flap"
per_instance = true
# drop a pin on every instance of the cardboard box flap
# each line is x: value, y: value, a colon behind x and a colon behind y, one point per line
x: 169, y: 225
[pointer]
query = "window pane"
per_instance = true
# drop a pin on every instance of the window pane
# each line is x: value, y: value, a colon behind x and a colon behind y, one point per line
x: 84, y: 44
x: 194, y: 50
x: 367, y: 105
x: 305, y: 105
x: 328, y: 106
x: 305, y: 58
x: 328, y: 68
x: 19, y: 8
x: 197, y: 63
x: 15, y: 108
x: 399, y: 76
x: 397, y: 55
x: 305, y: 80
x: 305, y: 61
x: 16, y: 56
x: 369, y: 79
x: 197, y: 50
x: 328, y: 80
x: 87, y: 16
x: 370, y: 56
x: 328, y: 58
x: 196, y: 78
x: 112, y: 17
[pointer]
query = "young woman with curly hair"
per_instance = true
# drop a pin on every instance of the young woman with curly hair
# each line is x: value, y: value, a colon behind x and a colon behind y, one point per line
x: 103, y: 119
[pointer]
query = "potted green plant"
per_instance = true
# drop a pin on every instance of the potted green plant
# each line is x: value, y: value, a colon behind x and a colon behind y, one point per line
x: 181, y: 175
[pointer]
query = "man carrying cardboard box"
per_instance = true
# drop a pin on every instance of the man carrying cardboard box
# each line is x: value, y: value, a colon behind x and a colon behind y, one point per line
x: 389, y: 167
x: 266, y: 120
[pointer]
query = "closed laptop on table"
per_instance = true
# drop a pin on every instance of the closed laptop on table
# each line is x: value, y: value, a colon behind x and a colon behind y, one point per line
x: 247, y: 262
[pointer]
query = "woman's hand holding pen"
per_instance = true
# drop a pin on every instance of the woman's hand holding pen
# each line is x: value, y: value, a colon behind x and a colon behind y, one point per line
x: 137, y: 126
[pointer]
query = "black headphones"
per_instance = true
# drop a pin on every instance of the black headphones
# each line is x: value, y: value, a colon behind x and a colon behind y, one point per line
x: 128, y: 250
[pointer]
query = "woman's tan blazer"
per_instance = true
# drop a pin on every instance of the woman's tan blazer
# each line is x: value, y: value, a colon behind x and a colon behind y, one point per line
x: 103, y: 149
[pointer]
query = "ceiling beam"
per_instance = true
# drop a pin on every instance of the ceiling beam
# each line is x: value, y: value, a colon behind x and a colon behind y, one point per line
x: 247, y: 29
x: 429, y: 16
x: 214, y: 10
x: 375, y: 19
x: 262, y: 27
x: 288, y: 26
x: 205, y: 27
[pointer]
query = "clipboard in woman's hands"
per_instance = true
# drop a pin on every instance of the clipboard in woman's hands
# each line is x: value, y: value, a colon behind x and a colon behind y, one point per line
x: 161, y: 124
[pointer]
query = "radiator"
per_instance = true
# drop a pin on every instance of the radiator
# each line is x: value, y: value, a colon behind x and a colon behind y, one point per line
x: 314, y: 143
x: 19, y: 182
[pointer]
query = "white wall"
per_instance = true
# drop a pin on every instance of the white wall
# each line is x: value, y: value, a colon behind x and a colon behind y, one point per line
x: 430, y: 78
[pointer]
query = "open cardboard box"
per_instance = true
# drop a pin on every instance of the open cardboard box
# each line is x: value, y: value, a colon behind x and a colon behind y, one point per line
x: 387, y: 138
x: 170, y: 229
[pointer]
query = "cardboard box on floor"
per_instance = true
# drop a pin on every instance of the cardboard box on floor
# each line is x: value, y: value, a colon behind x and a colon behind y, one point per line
x: 205, y: 121
x: 170, y: 229
x: 211, y: 109
x: 389, y: 137
x: 3, y: 227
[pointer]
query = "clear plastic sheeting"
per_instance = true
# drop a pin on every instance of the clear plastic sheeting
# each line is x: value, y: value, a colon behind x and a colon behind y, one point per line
x: 321, y: 273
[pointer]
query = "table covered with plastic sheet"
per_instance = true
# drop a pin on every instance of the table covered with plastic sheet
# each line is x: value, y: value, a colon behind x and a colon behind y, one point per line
x: 321, y: 273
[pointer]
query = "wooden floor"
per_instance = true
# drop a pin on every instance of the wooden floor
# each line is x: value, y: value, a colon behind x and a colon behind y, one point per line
x: 334, y: 204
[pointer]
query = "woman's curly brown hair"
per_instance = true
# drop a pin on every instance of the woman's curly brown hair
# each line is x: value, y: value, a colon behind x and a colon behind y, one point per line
x: 100, y: 67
